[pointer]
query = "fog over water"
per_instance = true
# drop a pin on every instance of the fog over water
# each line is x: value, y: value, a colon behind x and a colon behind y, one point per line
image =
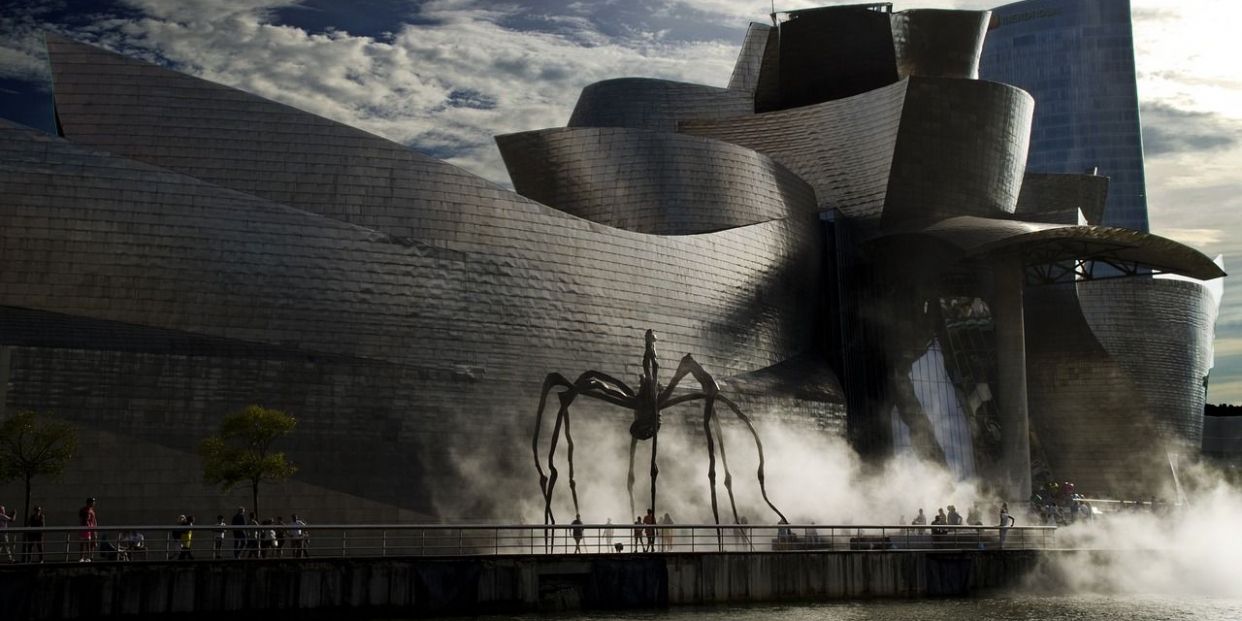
x: 999, y: 607
x: 1190, y: 551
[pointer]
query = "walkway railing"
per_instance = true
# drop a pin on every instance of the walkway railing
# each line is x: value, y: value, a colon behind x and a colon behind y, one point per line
x: 146, y: 543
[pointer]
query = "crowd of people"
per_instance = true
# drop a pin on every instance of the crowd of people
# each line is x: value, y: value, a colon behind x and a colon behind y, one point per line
x: 251, y: 538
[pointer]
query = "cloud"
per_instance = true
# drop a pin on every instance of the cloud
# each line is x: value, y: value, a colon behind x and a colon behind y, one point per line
x: 445, y: 83
x: 1167, y: 129
x: 1229, y: 347
x: 1194, y: 237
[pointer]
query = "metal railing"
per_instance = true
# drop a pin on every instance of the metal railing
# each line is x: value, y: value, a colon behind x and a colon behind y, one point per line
x: 147, y: 543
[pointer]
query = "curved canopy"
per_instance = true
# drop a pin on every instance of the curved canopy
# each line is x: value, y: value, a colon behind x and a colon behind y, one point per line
x: 1041, y: 243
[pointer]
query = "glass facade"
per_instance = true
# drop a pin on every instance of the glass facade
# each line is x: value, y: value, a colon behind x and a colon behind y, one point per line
x: 1076, y: 57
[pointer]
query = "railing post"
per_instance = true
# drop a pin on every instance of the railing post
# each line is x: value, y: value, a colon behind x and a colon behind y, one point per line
x: 384, y: 542
x: 344, y: 543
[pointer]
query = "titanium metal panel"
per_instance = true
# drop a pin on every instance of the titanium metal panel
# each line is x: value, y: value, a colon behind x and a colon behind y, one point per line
x: 1116, y: 379
x: 834, y: 52
x: 644, y: 103
x: 653, y: 182
x: 918, y: 149
x: 749, y: 65
x: 961, y: 151
x: 1076, y: 57
x: 938, y: 43
x: 1045, y: 194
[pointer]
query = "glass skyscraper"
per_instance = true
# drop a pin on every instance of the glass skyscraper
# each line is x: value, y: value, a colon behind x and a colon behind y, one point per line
x: 1076, y: 57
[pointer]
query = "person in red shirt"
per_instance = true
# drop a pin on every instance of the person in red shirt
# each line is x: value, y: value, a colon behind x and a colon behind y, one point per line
x: 86, y: 518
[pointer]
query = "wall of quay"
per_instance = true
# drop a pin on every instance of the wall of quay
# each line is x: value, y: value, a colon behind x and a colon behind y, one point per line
x: 410, y: 587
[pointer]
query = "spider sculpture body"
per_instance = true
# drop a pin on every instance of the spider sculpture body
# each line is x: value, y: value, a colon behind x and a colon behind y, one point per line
x: 646, y: 403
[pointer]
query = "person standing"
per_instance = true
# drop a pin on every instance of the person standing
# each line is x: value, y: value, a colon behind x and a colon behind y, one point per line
x: 974, y: 516
x: 187, y: 540
x: 1005, y: 522
x: 608, y: 534
x: 281, y: 536
x: 666, y: 532
x: 650, y: 520
x: 34, y: 540
x: 88, y: 521
x: 6, y: 545
x: 298, y: 536
x: 919, y: 520
x: 239, y: 534
x: 219, y: 538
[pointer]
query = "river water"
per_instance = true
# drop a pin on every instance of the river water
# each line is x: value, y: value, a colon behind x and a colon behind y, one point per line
x: 1000, y: 607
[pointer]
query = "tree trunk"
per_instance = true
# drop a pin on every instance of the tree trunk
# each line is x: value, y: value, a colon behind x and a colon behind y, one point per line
x: 254, y: 500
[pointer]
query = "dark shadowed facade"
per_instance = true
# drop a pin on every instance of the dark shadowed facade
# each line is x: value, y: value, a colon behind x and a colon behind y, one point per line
x: 861, y: 253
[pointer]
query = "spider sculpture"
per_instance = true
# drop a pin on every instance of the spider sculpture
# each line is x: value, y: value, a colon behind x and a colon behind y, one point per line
x: 646, y: 404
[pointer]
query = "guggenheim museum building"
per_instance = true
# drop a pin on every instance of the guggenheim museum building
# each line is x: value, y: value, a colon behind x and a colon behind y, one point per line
x: 904, y: 229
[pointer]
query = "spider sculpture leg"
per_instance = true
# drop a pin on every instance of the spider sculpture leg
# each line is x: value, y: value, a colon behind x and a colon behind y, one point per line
x: 724, y: 463
x: 554, y: 380
x: 591, y: 384
x: 758, y: 445
x: 629, y: 482
x: 710, y: 390
x: 711, y: 394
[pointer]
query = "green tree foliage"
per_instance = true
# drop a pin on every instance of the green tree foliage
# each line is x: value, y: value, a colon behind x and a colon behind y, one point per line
x: 33, y: 445
x: 242, y: 451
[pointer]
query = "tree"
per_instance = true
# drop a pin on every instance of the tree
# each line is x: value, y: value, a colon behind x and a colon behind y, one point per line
x: 242, y: 451
x: 32, y: 445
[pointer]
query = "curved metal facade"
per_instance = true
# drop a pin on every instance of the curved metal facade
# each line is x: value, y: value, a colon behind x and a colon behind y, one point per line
x: 939, y: 43
x: 296, y: 261
x: 644, y: 103
x: 653, y: 182
x: 1117, y: 371
x: 196, y: 248
x: 920, y: 149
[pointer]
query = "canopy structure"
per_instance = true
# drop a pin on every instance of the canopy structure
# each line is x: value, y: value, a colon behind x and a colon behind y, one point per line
x: 1052, y: 253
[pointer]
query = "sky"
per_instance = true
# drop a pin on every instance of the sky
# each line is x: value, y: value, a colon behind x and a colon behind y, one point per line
x: 444, y: 76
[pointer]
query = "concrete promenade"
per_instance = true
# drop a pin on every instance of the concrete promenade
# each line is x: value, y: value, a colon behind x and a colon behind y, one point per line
x: 405, y: 570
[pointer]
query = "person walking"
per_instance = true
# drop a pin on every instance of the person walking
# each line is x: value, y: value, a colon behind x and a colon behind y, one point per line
x: 88, y: 520
x: 239, y: 534
x: 578, y: 531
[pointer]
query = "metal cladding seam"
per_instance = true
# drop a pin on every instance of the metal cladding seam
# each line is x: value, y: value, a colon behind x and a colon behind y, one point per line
x: 652, y: 182
x: 891, y: 153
